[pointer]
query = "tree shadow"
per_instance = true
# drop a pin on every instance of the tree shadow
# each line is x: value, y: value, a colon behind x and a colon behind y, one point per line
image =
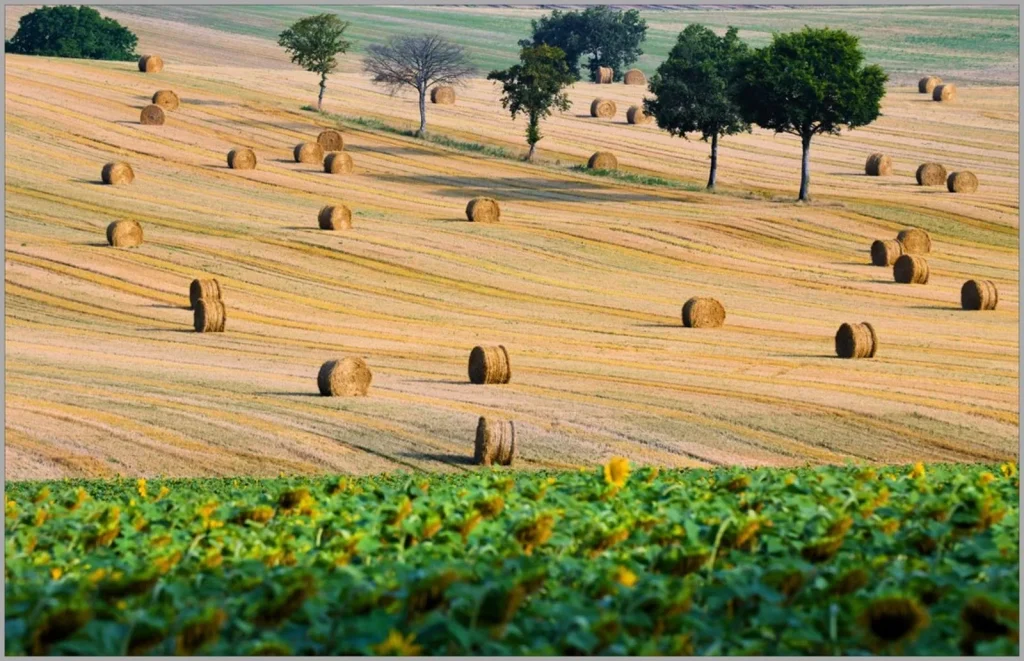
x: 445, y: 458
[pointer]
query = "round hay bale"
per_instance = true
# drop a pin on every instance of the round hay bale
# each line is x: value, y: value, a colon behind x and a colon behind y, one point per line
x: 885, y: 253
x: 927, y: 84
x: 338, y: 162
x: 945, y: 92
x: 634, y: 77
x: 442, y: 95
x: 979, y: 295
x: 152, y: 115
x: 931, y: 174
x: 242, y: 158
x: 151, y: 64
x: 603, y: 160
x: 962, y: 182
x: 330, y: 140
x: 878, y: 165
x: 117, y: 174
x: 204, y: 290
x: 483, y: 210
x: 603, y: 108
x: 703, y: 313
x: 856, y: 341
x: 349, y: 377
x: 336, y: 217
x: 605, y: 75
x: 489, y: 365
x: 636, y: 115
x: 124, y: 233
x: 309, y: 152
x: 209, y: 316
x: 910, y: 270
x: 166, y: 99
x: 495, y: 442
x: 915, y: 241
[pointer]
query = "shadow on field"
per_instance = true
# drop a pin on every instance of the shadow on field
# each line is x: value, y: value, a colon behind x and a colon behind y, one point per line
x: 807, y: 355
x: 190, y: 329
x: 948, y: 308
x: 448, y: 382
x: 305, y: 393
x: 521, y: 188
x: 678, y: 324
x: 96, y: 244
x: 170, y: 307
x: 444, y: 458
x: 94, y: 182
x: 390, y: 151
x: 204, y: 102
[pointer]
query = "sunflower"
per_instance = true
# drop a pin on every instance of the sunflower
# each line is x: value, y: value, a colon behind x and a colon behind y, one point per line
x: 140, y: 484
x: 616, y: 471
x: 917, y: 471
x: 986, y: 620
x: 623, y: 576
x: 985, y: 479
x: 895, y: 619
x: 850, y: 581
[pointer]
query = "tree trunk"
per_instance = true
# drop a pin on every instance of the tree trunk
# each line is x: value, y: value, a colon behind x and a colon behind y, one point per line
x: 532, y: 135
x: 714, y: 161
x: 805, y: 170
x: 323, y: 88
x: 423, y: 113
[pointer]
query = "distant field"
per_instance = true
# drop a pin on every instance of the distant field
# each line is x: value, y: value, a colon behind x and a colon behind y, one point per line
x: 977, y: 45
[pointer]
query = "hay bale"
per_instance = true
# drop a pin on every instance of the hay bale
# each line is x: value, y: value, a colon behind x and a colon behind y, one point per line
x: 634, y: 77
x: 636, y: 115
x: 124, y: 233
x: 166, y: 99
x: 856, y: 341
x: 605, y: 75
x: 152, y: 115
x: 495, y: 442
x: 489, y: 365
x: 915, y: 241
x: 309, y: 152
x: 483, y: 210
x: 927, y: 84
x: 442, y: 95
x: 603, y: 160
x: 117, y: 174
x: 209, y: 316
x: 979, y: 295
x: 338, y: 162
x: 910, y: 270
x: 204, y: 290
x: 931, y: 174
x: 242, y: 158
x: 946, y: 92
x: 336, y: 217
x: 703, y: 313
x: 330, y: 140
x: 878, y: 165
x: 885, y: 253
x: 603, y: 108
x: 151, y: 64
x: 349, y: 377
x: 962, y: 182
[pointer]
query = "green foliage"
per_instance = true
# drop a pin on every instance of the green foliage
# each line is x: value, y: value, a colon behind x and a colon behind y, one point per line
x: 535, y: 86
x: 78, y: 32
x: 821, y: 561
x: 610, y: 37
x: 314, y: 42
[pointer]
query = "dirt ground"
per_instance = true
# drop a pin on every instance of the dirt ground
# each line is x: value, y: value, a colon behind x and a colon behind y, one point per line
x: 582, y: 281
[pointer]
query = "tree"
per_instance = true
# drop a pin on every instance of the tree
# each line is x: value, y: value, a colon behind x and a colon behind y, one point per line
x: 313, y: 43
x: 78, y: 32
x: 810, y: 82
x: 612, y: 38
x: 535, y: 86
x: 420, y: 62
x: 693, y: 88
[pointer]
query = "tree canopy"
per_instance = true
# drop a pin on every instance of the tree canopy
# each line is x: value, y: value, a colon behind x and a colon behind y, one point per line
x: 314, y: 42
x: 535, y: 86
x: 809, y: 82
x: 610, y: 37
x: 693, y: 88
x: 78, y: 32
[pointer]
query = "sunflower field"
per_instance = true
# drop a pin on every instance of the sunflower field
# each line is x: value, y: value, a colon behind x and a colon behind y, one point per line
x: 619, y: 560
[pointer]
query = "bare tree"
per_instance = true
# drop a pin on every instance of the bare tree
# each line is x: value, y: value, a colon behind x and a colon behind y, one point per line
x: 420, y: 62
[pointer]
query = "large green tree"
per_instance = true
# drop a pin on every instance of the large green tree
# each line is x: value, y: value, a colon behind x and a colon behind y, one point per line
x: 809, y: 82
x: 693, y: 88
x: 78, y: 32
x: 534, y: 87
x: 314, y: 42
x: 610, y: 37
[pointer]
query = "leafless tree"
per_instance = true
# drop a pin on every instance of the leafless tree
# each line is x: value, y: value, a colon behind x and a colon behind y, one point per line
x: 420, y: 62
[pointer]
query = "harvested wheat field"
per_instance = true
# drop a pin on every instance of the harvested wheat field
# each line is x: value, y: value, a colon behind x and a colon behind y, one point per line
x: 581, y: 281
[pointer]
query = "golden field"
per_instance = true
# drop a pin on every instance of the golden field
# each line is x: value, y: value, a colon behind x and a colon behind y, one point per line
x: 582, y: 281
